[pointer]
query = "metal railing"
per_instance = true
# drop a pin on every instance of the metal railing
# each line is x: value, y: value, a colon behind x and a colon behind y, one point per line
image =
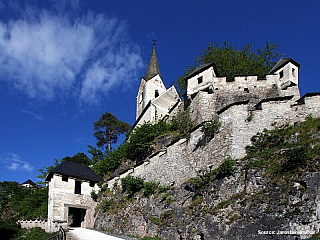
x: 61, y: 235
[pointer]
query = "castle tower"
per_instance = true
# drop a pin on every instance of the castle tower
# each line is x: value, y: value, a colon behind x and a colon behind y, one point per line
x: 151, y: 85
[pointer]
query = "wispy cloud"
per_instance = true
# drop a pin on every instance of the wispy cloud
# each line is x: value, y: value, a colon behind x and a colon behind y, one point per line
x: 13, y: 163
x: 37, y: 116
x: 49, y: 55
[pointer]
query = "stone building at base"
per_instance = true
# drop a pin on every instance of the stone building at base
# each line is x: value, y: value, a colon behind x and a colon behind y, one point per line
x: 69, y: 201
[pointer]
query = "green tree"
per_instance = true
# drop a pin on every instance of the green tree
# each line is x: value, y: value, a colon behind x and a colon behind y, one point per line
x: 80, y: 158
x: 231, y: 62
x: 107, y: 130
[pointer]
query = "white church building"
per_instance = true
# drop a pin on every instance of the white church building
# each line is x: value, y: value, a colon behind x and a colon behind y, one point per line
x: 154, y: 100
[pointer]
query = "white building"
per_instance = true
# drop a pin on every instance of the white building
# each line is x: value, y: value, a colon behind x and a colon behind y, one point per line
x: 70, y: 203
x: 154, y: 100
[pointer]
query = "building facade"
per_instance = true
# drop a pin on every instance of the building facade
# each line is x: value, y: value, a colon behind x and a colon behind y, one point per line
x: 154, y: 100
x: 69, y: 201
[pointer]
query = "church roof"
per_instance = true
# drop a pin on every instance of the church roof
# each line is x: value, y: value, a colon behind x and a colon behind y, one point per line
x: 75, y: 170
x: 153, y: 67
x: 283, y: 61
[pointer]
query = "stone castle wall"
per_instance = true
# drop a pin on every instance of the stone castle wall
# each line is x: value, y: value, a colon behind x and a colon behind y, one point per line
x: 185, y: 158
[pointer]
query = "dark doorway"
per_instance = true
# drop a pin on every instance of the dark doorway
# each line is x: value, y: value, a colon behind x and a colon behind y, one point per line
x: 76, y: 216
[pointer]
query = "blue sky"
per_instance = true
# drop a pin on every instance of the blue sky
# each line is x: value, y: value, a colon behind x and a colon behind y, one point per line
x: 64, y: 63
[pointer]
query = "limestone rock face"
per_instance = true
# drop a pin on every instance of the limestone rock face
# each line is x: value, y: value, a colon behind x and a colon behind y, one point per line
x: 246, y: 205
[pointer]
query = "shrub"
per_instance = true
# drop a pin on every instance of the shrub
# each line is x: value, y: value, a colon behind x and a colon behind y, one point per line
x: 150, y: 188
x: 209, y: 129
x: 107, y: 205
x: 182, y: 123
x: 296, y: 157
x: 94, y: 196
x: 226, y: 168
x: 131, y: 185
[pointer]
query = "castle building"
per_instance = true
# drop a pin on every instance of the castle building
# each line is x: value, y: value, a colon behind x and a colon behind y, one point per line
x: 211, y: 94
x: 154, y: 100
x: 244, y: 106
x: 69, y: 201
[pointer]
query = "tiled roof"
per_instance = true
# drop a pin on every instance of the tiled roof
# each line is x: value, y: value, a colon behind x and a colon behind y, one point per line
x: 75, y: 170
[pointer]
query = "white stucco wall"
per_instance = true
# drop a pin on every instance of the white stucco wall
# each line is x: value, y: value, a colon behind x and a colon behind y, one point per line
x: 62, y: 196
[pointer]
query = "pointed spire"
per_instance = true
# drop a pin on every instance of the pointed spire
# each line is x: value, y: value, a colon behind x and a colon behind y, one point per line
x: 153, y: 67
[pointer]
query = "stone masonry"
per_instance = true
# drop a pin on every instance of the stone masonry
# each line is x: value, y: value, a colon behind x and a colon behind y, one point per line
x: 244, y: 107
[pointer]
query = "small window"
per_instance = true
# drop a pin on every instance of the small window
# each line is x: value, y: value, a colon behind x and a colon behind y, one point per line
x: 281, y: 74
x: 141, y: 97
x: 246, y: 90
x: 64, y: 178
x: 200, y: 80
x: 156, y: 93
x: 77, y: 188
x: 91, y: 184
x: 293, y: 72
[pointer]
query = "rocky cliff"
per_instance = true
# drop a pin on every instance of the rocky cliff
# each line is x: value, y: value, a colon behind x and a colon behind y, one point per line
x: 272, y: 193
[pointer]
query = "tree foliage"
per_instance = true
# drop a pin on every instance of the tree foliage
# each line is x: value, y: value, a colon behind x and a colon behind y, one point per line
x: 23, y: 202
x: 231, y: 62
x: 131, y: 185
x: 79, y: 158
x: 107, y: 130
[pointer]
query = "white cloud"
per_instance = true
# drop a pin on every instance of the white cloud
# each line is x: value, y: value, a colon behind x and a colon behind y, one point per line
x: 47, y: 55
x: 37, y: 116
x: 14, y: 163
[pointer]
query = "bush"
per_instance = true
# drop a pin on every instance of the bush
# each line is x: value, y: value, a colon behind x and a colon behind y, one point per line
x: 296, y: 157
x: 150, y: 188
x: 131, y: 185
x: 226, y: 168
x: 94, y: 196
x: 182, y: 123
x: 209, y: 129
x: 108, y: 204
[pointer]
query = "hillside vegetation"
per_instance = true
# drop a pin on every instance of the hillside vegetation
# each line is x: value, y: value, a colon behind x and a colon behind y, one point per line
x: 275, y: 187
x: 17, y: 203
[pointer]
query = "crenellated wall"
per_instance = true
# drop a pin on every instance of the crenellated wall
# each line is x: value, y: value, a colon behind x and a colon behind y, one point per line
x: 184, y: 159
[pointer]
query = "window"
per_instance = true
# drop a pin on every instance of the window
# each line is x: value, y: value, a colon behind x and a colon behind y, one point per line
x: 246, y: 90
x: 293, y: 72
x: 91, y: 184
x: 77, y: 188
x: 64, y: 178
x: 200, y: 80
x: 141, y: 97
x: 156, y: 93
x: 281, y: 74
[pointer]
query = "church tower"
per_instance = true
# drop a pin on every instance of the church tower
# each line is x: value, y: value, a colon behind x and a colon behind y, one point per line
x: 151, y: 85
x: 154, y: 100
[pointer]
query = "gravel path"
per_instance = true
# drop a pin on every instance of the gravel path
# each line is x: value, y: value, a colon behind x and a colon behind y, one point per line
x: 87, y: 234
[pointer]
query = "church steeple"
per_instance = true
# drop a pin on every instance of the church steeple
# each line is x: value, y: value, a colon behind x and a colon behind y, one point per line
x: 153, y: 67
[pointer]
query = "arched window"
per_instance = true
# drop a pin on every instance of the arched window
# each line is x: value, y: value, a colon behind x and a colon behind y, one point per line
x: 156, y: 93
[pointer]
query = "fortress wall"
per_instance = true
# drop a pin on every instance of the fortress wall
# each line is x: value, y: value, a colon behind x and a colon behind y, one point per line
x: 245, y: 124
x: 311, y: 107
x: 33, y: 224
x: 202, y: 108
x: 186, y: 158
